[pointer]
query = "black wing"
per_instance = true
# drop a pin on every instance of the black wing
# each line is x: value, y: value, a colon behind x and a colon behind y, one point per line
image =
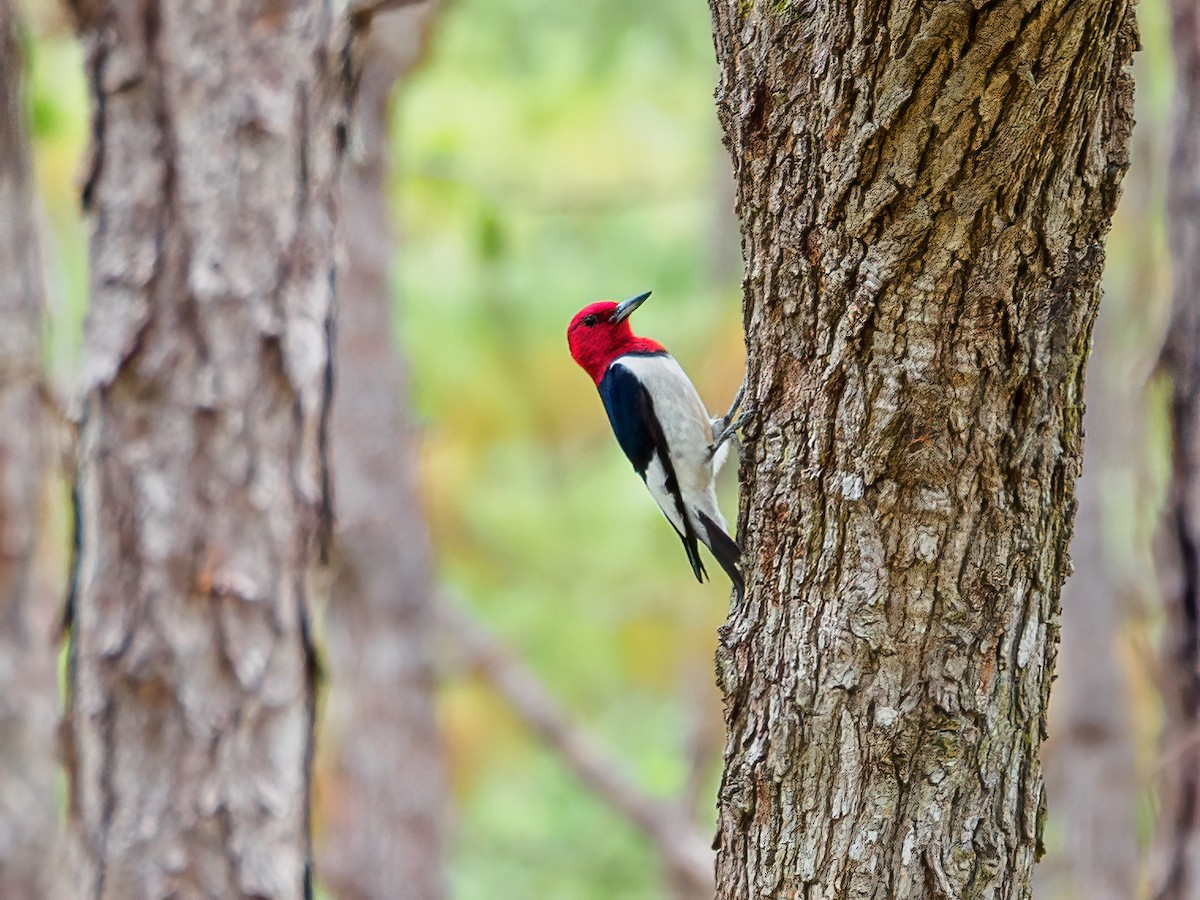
x: 631, y: 414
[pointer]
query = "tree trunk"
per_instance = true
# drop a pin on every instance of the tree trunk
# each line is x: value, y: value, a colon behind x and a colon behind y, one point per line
x: 28, y: 685
x: 385, y: 796
x: 924, y: 193
x: 202, y: 489
x: 1177, y: 850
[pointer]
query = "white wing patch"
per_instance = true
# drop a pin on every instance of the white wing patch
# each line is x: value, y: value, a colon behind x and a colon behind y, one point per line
x: 656, y: 481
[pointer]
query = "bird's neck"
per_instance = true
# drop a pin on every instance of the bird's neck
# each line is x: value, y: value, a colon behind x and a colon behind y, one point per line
x: 632, y: 344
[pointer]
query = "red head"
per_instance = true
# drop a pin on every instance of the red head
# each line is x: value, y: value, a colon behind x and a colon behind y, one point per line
x: 600, y: 333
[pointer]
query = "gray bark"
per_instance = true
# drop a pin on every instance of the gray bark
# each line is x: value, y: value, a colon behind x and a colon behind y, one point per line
x: 202, y: 485
x: 924, y: 192
x: 381, y: 769
x: 28, y: 684
x: 1177, y: 842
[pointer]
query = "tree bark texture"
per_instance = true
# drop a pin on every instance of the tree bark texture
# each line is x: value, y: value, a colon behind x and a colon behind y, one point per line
x: 202, y: 486
x: 1177, y: 842
x: 28, y: 683
x: 383, y: 792
x: 924, y: 193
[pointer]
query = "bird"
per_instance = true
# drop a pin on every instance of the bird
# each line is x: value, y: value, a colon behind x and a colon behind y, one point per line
x: 663, y: 427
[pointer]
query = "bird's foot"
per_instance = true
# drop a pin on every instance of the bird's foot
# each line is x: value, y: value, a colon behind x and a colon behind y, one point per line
x: 730, y: 430
x: 720, y: 424
x: 728, y: 425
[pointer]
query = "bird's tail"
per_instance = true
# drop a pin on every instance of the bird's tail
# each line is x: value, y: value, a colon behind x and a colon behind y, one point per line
x: 693, y: 554
x: 725, y: 550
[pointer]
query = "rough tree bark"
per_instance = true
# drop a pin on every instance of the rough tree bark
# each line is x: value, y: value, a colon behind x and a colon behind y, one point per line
x: 202, y: 490
x: 383, y: 789
x: 924, y: 193
x: 28, y: 685
x: 1177, y: 842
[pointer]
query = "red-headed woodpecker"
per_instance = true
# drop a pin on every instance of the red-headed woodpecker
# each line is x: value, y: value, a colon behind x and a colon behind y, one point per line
x: 662, y: 425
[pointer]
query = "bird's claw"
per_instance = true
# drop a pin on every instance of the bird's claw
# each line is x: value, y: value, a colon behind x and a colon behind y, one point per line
x: 726, y: 426
x: 720, y: 424
x: 730, y: 430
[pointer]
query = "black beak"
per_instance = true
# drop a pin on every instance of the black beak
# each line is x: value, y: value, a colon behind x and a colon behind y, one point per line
x: 625, y: 310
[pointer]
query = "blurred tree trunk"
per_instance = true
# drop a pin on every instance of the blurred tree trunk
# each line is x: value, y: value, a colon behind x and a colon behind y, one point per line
x: 924, y: 193
x: 1177, y: 850
x: 382, y: 788
x: 202, y: 488
x: 28, y: 684
x: 1091, y: 773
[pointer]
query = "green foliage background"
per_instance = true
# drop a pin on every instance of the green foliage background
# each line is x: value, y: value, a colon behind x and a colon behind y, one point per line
x: 550, y: 154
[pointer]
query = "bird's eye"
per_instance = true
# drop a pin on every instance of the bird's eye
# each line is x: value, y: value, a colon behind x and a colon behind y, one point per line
x: 589, y: 321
